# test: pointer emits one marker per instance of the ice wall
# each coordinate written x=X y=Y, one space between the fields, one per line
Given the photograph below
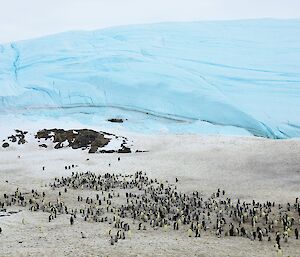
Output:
x=242 y=75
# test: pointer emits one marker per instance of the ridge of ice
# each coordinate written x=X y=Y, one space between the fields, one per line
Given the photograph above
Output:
x=236 y=75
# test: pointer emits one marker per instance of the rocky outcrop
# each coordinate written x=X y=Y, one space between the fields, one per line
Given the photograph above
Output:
x=18 y=137
x=80 y=138
x=85 y=139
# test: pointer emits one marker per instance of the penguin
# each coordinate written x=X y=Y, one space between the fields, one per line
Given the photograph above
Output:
x=174 y=225
x=71 y=220
x=296 y=233
x=254 y=235
x=285 y=236
x=231 y=231
x=82 y=235
x=278 y=238
x=112 y=241
x=259 y=235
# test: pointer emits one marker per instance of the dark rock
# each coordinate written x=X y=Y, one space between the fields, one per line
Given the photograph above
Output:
x=124 y=149
x=21 y=141
x=43 y=145
x=82 y=138
x=4 y=145
x=18 y=137
x=141 y=151
x=107 y=151
x=93 y=149
x=75 y=146
x=58 y=145
x=12 y=138
x=117 y=120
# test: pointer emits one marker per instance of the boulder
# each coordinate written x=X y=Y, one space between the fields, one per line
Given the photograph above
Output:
x=4 y=145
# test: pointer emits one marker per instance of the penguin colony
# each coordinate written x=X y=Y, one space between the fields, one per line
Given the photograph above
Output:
x=152 y=204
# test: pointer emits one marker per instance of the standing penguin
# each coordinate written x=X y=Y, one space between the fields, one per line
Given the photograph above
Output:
x=112 y=241
x=285 y=236
x=197 y=233
x=190 y=232
x=71 y=220
x=278 y=239
x=260 y=235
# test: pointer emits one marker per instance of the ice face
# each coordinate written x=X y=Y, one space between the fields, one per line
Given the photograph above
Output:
x=233 y=77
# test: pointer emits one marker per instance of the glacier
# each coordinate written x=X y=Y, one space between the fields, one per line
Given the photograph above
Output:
x=218 y=77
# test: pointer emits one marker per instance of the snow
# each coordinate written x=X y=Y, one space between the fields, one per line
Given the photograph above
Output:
x=225 y=77
x=247 y=168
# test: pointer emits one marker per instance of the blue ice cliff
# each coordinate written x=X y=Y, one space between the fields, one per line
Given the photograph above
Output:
x=239 y=77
